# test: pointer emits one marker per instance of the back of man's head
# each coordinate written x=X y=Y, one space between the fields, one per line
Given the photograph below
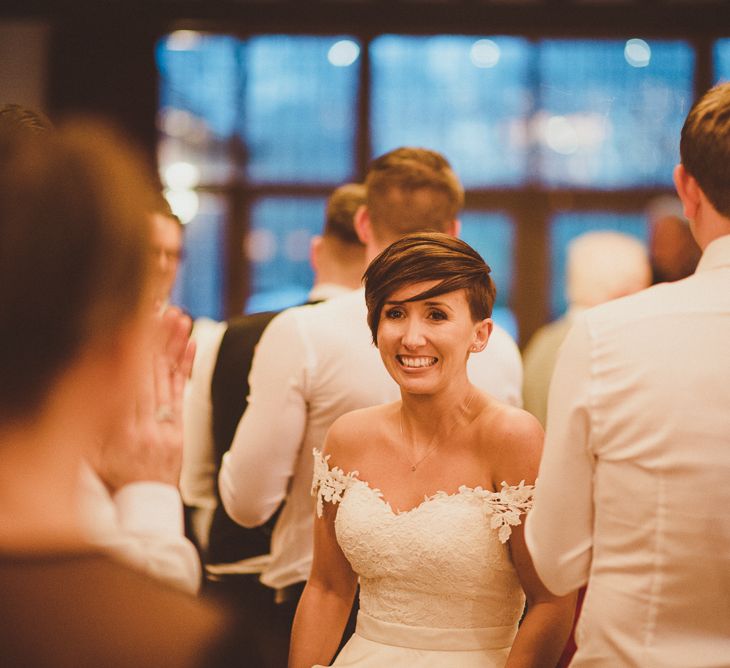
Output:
x=411 y=190
x=605 y=265
x=342 y=205
x=705 y=146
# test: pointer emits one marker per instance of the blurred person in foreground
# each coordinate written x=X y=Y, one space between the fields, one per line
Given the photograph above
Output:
x=601 y=266
x=130 y=500
x=633 y=482
x=315 y=363
x=78 y=341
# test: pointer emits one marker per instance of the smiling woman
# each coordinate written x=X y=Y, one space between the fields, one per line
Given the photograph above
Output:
x=422 y=500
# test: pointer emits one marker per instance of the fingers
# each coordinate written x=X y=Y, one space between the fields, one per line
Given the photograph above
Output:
x=178 y=337
x=173 y=363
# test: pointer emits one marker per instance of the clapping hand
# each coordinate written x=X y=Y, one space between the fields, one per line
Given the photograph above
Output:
x=149 y=448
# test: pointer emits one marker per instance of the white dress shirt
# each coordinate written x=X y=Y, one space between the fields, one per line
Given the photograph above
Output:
x=198 y=478
x=141 y=524
x=313 y=364
x=633 y=491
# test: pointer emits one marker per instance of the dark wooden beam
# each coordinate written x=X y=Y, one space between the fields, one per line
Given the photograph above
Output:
x=549 y=18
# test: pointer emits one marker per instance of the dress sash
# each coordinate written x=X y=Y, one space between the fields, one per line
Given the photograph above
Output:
x=426 y=638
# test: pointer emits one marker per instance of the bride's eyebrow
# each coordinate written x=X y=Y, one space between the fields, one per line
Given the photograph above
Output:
x=439 y=305
x=429 y=303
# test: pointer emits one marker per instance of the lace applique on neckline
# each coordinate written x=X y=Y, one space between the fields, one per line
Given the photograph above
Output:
x=504 y=507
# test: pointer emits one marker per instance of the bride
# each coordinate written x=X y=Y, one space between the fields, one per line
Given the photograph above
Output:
x=422 y=500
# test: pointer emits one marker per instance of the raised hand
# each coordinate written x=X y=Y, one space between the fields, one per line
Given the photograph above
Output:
x=149 y=448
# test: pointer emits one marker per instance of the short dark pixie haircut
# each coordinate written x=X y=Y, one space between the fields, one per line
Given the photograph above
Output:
x=705 y=146
x=428 y=256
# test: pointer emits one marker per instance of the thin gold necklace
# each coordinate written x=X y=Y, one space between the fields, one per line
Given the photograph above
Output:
x=429 y=448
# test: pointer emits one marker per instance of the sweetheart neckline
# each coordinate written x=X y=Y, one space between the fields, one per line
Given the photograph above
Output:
x=330 y=485
x=440 y=494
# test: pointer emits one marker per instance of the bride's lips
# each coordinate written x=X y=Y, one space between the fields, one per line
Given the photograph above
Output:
x=416 y=361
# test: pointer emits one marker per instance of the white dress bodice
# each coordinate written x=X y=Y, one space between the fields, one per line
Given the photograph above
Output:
x=444 y=564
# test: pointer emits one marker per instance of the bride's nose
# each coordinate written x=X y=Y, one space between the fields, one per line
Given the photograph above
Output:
x=413 y=335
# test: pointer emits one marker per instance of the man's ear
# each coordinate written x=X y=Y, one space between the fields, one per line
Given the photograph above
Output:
x=315 y=248
x=363 y=226
x=688 y=190
x=454 y=228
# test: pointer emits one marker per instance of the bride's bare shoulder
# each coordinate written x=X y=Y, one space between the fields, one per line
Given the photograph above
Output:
x=353 y=431
x=513 y=439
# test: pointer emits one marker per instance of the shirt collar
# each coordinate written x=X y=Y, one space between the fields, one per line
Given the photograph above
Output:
x=717 y=254
x=327 y=291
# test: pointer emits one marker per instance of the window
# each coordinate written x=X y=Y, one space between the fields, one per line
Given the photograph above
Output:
x=492 y=235
x=255 y=133
x=722 y=60
x=278 y=250
x=610 y=112
x=298 y=119
x=465 y=97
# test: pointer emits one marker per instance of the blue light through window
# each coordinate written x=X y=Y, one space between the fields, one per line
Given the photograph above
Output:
x=722 y=60
x=465 y=97
x=299 y=121
x=610 y=112
x=200 y=275
x=493 y=236
x=278 y=249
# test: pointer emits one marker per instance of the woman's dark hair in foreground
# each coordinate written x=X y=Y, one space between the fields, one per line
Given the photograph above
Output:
x=423 y=257
x=74 y=234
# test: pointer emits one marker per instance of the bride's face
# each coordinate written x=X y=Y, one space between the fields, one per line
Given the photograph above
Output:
x=425 y=344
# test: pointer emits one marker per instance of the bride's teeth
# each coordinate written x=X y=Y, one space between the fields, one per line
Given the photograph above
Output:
x=415 y=362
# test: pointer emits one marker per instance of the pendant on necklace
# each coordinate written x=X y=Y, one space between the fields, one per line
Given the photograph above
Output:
x=413 y=468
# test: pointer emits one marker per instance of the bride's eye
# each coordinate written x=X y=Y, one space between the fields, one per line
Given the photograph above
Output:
x=437 y=314
x=394 y=313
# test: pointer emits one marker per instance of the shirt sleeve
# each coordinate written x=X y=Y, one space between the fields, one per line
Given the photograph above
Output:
x=256 y=471
x=198 y=475
x=559 y=530
x=142 y=524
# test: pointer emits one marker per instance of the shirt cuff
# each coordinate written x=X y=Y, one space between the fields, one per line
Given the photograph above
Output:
x=150 y=508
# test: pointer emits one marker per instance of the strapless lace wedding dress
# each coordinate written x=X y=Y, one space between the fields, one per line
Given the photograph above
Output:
x=437 y=585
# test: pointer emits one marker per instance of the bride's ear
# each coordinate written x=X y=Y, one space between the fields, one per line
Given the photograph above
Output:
x=482 y=332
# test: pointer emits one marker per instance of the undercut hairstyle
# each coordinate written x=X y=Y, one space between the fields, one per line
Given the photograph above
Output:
x=425 y=257
x=411 y=190
x=705 y=146
x=74 y=260
x=342 y=205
